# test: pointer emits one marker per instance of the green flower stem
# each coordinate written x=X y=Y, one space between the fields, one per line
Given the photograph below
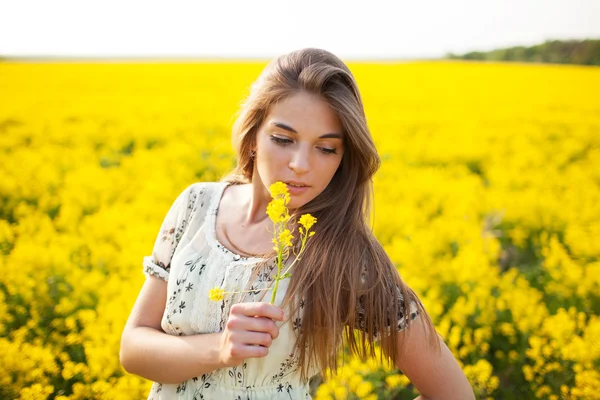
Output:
x=279 y=267
x=305 y=236
x=280 y=251
x=246 y=291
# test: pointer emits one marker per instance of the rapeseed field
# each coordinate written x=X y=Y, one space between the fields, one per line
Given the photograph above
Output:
x=488 y=201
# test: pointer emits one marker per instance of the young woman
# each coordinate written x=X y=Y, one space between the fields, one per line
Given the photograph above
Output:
x=303 y=124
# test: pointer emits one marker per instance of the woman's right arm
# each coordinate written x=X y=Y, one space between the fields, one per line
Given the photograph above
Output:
x=147 y=351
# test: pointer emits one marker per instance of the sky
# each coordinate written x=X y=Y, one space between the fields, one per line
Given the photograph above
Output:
x=397 y=29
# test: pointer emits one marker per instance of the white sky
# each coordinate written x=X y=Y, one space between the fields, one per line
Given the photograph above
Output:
x=265 y=28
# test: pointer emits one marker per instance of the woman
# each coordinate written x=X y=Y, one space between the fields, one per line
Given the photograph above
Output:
x=303 y=124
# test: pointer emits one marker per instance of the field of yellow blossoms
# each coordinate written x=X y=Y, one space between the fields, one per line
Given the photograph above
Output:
x=488 y=201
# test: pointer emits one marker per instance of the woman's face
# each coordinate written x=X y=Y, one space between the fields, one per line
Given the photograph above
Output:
x=299 y=143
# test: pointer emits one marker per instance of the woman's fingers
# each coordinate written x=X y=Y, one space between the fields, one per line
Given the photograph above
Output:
x=258 y=309
x=255 y=324
x=252 y=338
x=249 y=331
x=238 y=352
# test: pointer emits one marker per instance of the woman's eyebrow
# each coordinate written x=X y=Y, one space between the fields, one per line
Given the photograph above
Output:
x=292 y=130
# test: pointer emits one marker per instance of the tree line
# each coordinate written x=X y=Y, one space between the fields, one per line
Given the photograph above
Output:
x=583 y=52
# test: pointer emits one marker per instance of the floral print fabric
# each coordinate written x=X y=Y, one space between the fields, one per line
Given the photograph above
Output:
x=189 y=257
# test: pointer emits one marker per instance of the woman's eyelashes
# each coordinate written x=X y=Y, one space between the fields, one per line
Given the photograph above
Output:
x=328 y=151
x=282 y=141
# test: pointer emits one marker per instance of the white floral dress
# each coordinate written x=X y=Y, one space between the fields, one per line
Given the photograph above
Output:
x=189 y=257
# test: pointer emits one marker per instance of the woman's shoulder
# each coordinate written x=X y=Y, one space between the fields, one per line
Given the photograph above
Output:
x=203 y=186
x=203 y=189
x=199 y=195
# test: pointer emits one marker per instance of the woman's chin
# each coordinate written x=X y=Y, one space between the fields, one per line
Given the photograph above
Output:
x=296 y=203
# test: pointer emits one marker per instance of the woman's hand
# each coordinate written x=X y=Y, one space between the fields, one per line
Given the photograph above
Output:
x=249 y=332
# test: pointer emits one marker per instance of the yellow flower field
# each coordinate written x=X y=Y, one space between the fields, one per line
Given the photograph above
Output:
x=488 y=201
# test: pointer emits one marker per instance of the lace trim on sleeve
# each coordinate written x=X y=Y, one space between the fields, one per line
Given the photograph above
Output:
x=150 y=268
x=172 y=230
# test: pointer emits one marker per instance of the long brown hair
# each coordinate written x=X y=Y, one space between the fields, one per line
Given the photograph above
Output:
x=344 y=265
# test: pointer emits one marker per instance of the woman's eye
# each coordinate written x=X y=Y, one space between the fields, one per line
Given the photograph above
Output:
x=284 y=141
x=328 y=151
x=280 y=140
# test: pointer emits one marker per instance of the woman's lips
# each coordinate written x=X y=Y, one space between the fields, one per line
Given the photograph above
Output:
x=296 y=190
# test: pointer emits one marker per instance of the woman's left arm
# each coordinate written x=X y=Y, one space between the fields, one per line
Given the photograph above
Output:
x=436 y=375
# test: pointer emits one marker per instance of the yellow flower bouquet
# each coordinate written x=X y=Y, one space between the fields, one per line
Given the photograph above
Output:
x=282 y=237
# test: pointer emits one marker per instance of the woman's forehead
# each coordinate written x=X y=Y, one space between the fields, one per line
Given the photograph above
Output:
x=304 y=112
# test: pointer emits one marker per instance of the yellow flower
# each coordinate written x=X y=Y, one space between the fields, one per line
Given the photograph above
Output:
x=307 y=221
x=340 y=392
x=216 y=294
x=277 y=211
x=394 y=380
x=364 y=389
x=286 y=237
x=278 y=189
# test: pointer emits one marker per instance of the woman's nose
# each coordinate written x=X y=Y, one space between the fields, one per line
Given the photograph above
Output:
x=300 y=162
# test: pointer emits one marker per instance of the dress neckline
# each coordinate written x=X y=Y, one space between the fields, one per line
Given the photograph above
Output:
x=212 y=228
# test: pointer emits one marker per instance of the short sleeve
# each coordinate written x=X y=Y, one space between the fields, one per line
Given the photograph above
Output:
x=400 y=321
x=171 y=231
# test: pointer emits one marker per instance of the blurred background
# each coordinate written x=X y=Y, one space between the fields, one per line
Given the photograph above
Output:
x=486 y=116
